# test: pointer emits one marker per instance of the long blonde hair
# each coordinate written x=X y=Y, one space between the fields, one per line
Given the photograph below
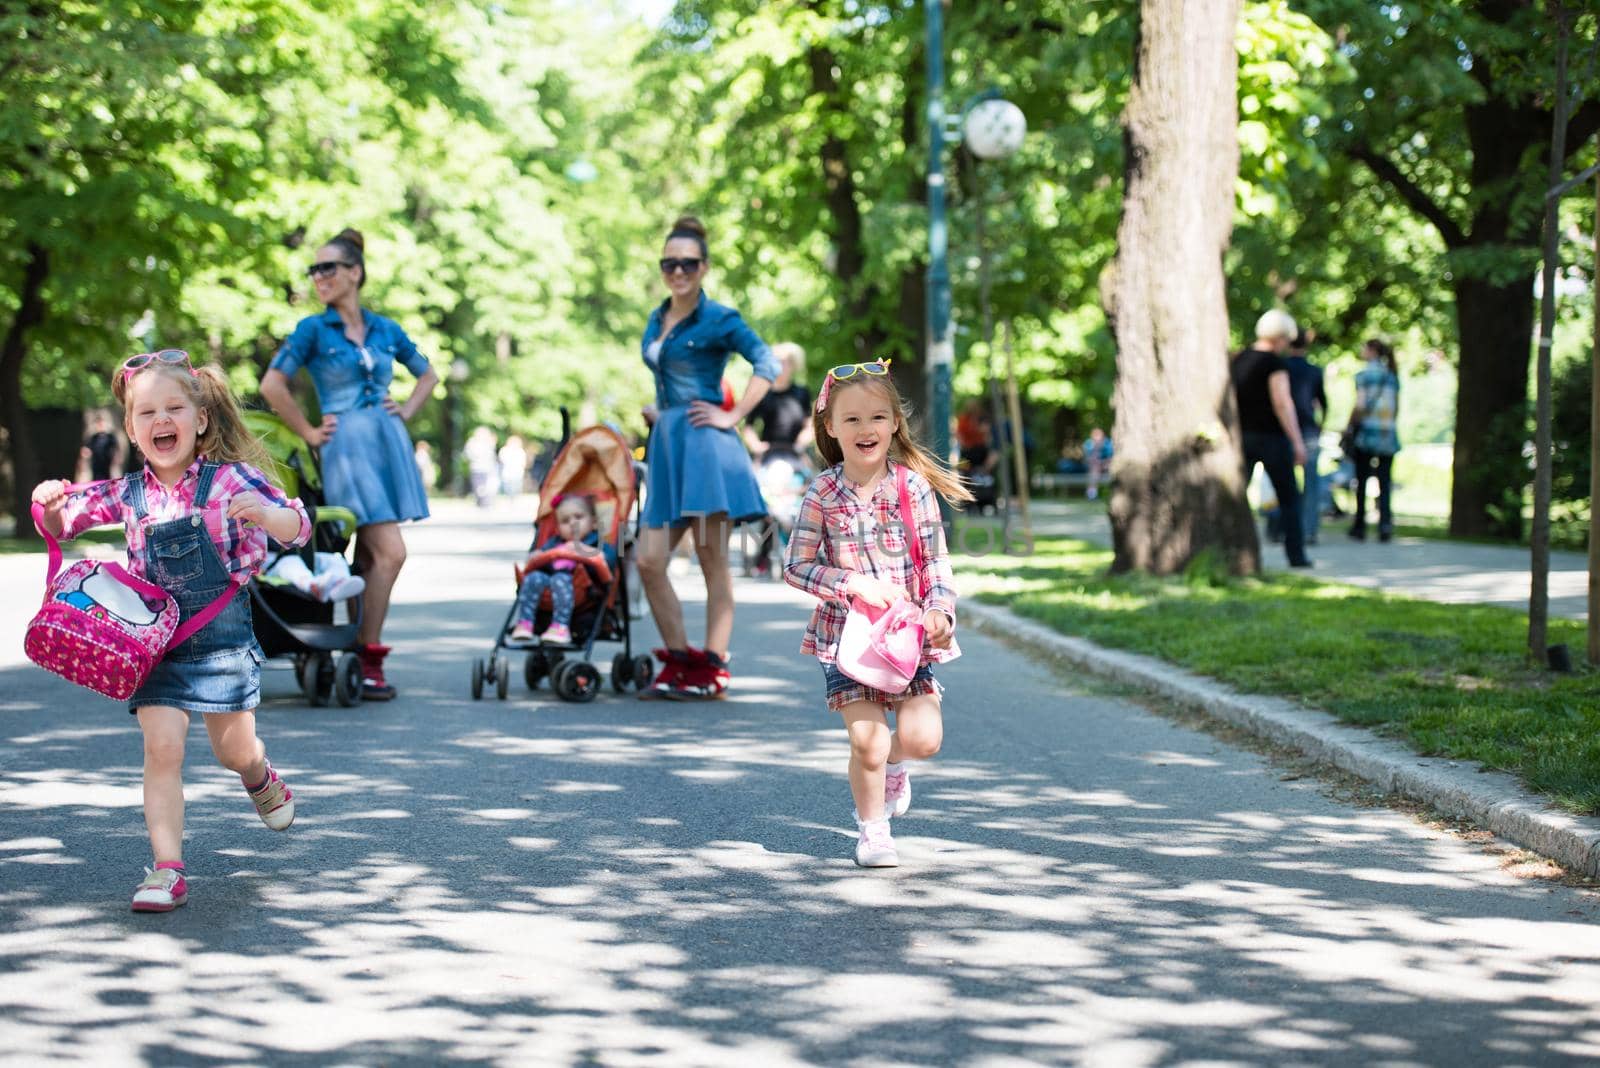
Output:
x=226 y=439
x=902 y=447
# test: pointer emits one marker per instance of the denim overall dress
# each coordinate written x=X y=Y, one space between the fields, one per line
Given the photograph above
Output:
x=219 y=668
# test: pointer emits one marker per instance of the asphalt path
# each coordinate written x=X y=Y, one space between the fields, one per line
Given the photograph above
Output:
x=532 y=882
x=1433 y=569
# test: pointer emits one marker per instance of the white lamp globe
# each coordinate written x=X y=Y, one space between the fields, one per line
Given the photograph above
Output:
x=994 y=129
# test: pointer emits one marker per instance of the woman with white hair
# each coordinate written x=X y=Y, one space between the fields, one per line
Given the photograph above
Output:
x=1271 y=429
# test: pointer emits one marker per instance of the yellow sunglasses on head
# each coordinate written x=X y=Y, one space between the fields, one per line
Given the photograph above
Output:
x=850 y=370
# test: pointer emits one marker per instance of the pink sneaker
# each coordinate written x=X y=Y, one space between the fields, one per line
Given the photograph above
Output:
x=875 y=848
x=897 y=791
x=557 y=634
x=162 y=890
x=274 y=801
x=523 y=631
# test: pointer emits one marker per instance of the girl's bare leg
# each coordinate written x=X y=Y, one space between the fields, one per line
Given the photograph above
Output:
x=164 y=729
x=869 y=749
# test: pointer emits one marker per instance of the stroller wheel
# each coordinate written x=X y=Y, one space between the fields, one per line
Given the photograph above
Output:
x=316 y=678
x=644 y=671
x=578 y=681
x=534 y=669
x=558 y=677
x=621 y=673
x=502 y=677
x=477 y=678
x=347 y=680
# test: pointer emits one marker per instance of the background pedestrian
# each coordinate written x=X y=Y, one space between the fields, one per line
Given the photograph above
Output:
x=1310 y=407
x=1270 y=428
x=780 y=447
x=1376 y=438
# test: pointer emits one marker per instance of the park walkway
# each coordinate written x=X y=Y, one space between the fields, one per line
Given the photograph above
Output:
x=1432 y=569
x=532 y=882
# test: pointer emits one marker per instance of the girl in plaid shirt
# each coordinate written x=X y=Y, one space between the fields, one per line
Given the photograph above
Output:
x=197 y=519
x=849 y=541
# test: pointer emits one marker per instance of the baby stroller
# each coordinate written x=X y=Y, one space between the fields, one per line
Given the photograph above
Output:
x=288 y=622
x=595 y=462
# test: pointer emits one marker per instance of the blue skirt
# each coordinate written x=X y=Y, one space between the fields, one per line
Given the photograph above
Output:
x=369 y=468
x=698 y=471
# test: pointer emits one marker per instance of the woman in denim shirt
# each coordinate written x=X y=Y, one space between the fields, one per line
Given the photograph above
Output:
x=367 y=461
x=700 y=477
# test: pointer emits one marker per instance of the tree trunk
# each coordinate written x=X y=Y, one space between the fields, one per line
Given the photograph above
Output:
x=1488 y=472
x=14 y=413
x=1179 y=477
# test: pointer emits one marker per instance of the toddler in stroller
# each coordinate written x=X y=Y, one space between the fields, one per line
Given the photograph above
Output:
x=553 y=568
x=573 y=583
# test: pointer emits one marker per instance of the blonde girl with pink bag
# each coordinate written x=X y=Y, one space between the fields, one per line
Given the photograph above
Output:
x=197 y=518
x=869 y=533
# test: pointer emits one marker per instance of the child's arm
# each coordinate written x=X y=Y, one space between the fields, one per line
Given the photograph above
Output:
x=66 y=515
x=599 y=567
x=801 y=569
x=50 y=496
x=283 y=522
x=262 y=504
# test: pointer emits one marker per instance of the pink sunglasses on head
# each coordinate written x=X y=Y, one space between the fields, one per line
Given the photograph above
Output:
x=134 y=364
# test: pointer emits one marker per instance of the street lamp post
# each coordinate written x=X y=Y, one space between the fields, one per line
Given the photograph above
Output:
x=993 y=129
x=941 y=349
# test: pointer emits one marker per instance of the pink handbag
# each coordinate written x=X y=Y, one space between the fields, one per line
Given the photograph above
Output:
x=882 y=647
x=104 y=628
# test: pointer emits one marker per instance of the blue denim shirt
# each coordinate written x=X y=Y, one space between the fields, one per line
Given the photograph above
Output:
x=694 y=354
x=347 y=375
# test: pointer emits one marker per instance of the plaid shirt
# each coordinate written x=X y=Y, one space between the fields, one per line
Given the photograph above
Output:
x=838 y=534
x=243 y=547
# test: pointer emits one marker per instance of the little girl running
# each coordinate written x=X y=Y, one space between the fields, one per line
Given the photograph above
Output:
x=850 y=541
x=554 y=564
x=197 y=518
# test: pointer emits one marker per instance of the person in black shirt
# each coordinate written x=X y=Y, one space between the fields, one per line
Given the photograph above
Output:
x=779 y=448
x=1310 y=407
x=102 y=449
x=1271 y=429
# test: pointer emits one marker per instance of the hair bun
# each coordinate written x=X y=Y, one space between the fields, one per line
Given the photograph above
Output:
x=688 y=224
x=352 y=235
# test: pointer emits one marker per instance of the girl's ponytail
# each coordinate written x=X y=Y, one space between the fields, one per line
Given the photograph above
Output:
x=227 y=439
x=945 y=482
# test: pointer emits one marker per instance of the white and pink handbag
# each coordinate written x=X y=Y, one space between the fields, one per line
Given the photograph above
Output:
x=104 y=628
x=882 y=647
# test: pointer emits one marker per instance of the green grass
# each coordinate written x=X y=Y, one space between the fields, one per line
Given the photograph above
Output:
x=1451 y=680
x=100 y=536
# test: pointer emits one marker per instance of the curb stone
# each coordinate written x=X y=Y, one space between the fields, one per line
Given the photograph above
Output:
x=1462 y=789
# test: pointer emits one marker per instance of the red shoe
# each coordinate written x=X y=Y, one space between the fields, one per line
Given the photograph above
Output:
x=673 y=666
x=706 y=679
x=374 y=687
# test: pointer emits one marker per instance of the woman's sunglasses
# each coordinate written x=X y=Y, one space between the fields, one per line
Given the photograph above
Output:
x=325 y=268
x=134 y=364
x=850 y=370
x=688 y=264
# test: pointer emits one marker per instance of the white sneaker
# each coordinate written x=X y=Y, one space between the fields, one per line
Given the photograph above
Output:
x=161 y=890
x=274 y=801
x=875 y=847
x=897 y=792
